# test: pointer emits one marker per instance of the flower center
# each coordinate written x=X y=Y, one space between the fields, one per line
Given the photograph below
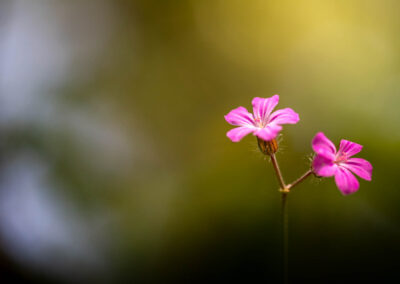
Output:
x=258 y=122
x=341 y=158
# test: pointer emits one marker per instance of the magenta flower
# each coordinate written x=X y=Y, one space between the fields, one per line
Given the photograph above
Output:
x=264 y=124
x=329 y=162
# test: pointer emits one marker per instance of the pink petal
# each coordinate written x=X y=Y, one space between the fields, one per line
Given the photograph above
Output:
x=269 y=132
x=240 y=117
x=346 y=181
x=323 y=166
x=350 y=148
x=263 y=107
x=323 y=146
x=360 y=167
x=236 y=134
x=284 y=116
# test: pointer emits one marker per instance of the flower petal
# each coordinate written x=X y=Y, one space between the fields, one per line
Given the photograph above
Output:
x=324 y=166
x=269 y=132
x=284 y=116
x=240 y=117
x=346 y=181
x=350 y=148
x=236 y=134
x=262 y=108
x=323 y=146
x=360 y=167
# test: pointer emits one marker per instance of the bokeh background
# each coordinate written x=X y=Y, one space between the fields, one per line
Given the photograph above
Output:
x=115 y=167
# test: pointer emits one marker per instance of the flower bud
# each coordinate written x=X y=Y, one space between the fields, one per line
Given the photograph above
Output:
x=267 y=147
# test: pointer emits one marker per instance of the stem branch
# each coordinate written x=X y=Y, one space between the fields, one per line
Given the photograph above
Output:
x=300 y=179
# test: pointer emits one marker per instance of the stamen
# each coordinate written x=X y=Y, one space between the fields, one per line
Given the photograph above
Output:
x=341 y=158
x=258 y=122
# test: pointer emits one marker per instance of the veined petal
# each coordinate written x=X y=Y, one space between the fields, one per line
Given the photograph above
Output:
x=269 y=132
x=240 y=117
x=284 y=116
x=346 y=181
x=262 y=108
x=360 y=167
x=324 y=166
x=323 y=146
x=236 y=134
x=350 y=148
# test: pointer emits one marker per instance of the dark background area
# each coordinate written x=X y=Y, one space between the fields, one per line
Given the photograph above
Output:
x=115 y=167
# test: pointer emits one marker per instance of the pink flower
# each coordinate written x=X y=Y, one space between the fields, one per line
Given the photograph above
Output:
x=329 y=162
x=264 y=124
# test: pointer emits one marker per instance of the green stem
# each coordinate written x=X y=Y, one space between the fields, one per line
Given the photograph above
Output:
x=285 y=233
x=285 y=189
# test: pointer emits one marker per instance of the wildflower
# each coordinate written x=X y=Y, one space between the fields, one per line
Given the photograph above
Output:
x=329 y=162
x=262 y=123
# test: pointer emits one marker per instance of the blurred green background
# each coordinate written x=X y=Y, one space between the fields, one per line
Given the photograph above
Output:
x=115 y=167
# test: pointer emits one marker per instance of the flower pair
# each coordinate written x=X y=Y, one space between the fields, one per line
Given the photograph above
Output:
x=327 y=162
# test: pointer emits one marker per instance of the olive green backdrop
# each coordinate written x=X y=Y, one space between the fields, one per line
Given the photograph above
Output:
x=131 y=137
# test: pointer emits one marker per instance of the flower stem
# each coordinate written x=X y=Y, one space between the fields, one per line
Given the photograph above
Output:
x=278 y=173
x=285 y=189
x=300 y=179
x=285 y=235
